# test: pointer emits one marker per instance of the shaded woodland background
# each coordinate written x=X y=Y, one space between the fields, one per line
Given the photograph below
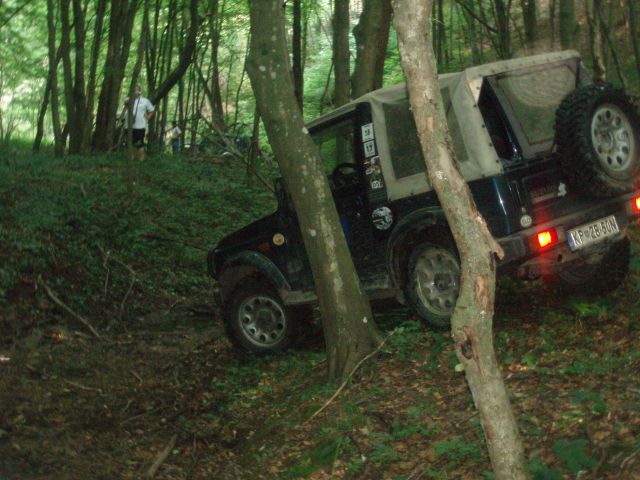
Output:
x=123 y=246
x=189 y=56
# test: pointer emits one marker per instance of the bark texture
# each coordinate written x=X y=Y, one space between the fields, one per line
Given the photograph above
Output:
x=568 y=24
x=53 y=80
x=372 y=37
x=349 y=330
x=594 y=9
x=296 y=41
x=121 y=20
x=471 y=322
x=530 y=17
x=186 y=55
x=634 y=26
x=341 y=51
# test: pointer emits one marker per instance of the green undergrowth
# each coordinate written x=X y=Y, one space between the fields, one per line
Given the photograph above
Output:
x=113 y=240
x=125 y=245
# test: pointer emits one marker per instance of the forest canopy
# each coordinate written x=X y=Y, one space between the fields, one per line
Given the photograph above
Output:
x=190 y=57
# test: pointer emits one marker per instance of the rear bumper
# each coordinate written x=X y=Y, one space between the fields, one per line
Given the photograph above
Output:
x=520 y=253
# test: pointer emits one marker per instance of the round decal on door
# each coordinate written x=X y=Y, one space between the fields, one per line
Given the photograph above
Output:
x=382 y=218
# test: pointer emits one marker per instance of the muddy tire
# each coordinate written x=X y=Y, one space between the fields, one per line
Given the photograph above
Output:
x=597 y=278
x=598 y=141
x=433 y=282
x=256 y=319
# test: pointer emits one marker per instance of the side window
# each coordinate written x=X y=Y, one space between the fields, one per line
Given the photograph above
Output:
x=335 y=144
x=404 y=145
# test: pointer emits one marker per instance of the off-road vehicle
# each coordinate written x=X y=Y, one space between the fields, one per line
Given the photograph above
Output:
x=551 y=158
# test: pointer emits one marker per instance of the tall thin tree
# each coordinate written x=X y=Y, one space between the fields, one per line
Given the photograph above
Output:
x=349 y=330
x=471 y=323
x=372 y=36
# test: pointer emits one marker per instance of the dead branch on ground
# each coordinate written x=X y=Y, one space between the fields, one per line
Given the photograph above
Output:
x=67 y=309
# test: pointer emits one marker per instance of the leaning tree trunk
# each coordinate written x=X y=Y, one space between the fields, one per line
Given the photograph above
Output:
x=471 y=322
x=186 y=56
x=372 y=36
x=349 y=330
x=341 y=51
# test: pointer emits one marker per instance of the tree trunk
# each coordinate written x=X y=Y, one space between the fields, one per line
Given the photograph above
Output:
x=121 y=21
x=594 y=7
x=634 y=26
x=186 y=55
x=476 y=56
x=341 y=51
x=552 y=22
x=53 y=76
x=296 y=48
x=349 y=330
x=93 y=69
x=568 y=23
x=471 y=322
x=215 y=26
x=530 y=17
x=65 y=49
x=42 y=112
x=372 y=37
x=502 y=15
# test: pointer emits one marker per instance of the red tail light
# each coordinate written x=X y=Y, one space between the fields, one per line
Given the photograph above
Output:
x=545 y=239
x=636 y=204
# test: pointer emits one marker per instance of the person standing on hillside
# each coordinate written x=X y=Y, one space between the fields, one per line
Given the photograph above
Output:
x=175 y=137
x=142 y=111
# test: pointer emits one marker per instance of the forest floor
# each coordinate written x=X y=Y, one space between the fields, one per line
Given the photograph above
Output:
x=124 y=247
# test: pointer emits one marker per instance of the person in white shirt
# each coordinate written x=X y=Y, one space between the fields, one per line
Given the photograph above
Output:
x=175 y=137
x=142 y=111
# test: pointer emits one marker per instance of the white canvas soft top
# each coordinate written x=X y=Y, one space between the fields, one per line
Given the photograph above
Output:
x=463 y=89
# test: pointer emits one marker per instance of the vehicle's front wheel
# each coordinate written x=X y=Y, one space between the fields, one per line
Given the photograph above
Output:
x=597 y=278
x=257 y=320
x=433 y=282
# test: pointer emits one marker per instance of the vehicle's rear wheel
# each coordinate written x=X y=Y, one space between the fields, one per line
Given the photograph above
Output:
x=433 y=282
x=257 y=320
x=597 y=278
x=598 y=140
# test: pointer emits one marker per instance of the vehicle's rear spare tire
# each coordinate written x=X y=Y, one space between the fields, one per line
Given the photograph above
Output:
x=596 y=278
x=598 y=141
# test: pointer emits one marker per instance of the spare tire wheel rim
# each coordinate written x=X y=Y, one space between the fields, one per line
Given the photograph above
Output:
x=262 y=320
x=613 y=140
x=438 y=281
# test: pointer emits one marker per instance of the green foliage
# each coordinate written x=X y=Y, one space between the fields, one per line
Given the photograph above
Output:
x=456 y=450
x=83 y=222
x=573 y=454
x=593 y=400
x=407 y=336
x=539 y=471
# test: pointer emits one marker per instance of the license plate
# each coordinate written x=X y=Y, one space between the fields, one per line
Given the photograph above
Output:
x=592 y=232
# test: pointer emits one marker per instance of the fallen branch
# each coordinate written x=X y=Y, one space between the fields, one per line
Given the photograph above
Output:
x=344 y=384
x=134 y=276
x=68 y=309
x=624 y=463
x=82 y=387
x=162 y=456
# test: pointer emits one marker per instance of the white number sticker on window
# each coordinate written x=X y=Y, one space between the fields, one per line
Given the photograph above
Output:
x=369 y=149
x=367 y=132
